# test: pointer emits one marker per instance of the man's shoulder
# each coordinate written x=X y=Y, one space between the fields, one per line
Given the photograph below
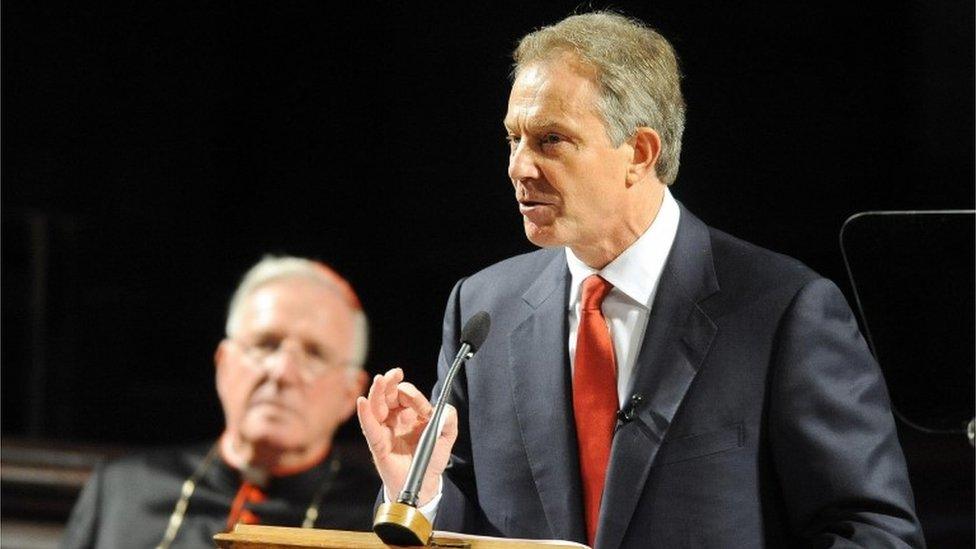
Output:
x=734 y=253
x=747 y=272
x=512 y=276
x=525 y=264
x=176 y=461
x=357 y=465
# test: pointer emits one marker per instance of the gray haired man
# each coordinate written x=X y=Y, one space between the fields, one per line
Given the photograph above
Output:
x=287 y=373
x=648 y=381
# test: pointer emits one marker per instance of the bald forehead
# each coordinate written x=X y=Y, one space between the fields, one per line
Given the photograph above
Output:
x=301 y=302
x=310 y=288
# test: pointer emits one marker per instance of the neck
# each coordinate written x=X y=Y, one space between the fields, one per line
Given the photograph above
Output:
x=630 y=224
x=259 y=458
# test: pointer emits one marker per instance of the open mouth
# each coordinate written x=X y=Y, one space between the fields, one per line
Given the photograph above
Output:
x=537 y=212
x=530 y=204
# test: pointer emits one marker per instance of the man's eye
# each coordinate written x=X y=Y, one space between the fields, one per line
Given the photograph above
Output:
x=551 y=139
x=313 y=351
x=267 y=344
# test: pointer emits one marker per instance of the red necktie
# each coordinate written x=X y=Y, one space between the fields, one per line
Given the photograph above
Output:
x=594 y=397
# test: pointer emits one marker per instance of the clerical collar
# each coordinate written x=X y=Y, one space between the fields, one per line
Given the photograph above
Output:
x=190 y=484
x=257 y=475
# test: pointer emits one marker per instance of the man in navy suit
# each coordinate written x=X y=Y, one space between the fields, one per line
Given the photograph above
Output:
x=648 y=381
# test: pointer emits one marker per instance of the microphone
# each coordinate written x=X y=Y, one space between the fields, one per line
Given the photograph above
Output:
x=627 y=413
x=473 y=334
x=401 y=523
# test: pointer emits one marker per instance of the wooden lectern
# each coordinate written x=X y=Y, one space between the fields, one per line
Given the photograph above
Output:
x=246 y=536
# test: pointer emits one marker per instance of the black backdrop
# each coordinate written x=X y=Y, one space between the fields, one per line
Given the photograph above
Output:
x=152 y=152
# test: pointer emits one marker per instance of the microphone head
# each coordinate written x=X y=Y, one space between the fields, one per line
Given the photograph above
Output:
x=475 y=330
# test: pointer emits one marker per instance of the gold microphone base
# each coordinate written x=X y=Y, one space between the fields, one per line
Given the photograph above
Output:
x=401 y=524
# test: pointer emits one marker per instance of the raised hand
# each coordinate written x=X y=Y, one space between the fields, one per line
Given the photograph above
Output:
x=392 y=417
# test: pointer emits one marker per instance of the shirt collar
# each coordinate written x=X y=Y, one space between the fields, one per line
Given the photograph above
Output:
x=637 y=270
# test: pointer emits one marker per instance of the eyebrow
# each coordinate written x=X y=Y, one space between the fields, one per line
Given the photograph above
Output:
x=546 y=125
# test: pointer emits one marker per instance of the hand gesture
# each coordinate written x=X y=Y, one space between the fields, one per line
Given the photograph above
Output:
x=392 y=417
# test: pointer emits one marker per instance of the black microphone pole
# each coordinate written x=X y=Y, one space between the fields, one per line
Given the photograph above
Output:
x=401 y=523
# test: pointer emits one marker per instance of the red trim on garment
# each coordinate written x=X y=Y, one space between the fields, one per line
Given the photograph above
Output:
x=248 y=493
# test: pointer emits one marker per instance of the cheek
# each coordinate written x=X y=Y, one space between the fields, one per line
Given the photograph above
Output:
x=593 y=195
x=234 y=387
x=330 y=404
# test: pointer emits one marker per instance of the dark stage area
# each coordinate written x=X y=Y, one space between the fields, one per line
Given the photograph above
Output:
x=152 y=152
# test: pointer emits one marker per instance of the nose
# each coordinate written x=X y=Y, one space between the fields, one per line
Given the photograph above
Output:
x=522 y=162
x=285 y=364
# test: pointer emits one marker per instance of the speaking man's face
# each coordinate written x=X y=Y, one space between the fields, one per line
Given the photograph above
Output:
x=569 y=179
x=284 y=379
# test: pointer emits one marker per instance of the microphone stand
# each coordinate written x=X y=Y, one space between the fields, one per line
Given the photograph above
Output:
x=401 y=523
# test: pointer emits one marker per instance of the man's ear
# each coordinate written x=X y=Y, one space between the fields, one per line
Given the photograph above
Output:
x=646 y=144
x=220 y=357
x=355 y=387
x=221 y=352
x=360 y=381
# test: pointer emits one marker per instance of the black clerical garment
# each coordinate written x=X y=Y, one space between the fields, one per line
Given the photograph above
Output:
x=128 y=502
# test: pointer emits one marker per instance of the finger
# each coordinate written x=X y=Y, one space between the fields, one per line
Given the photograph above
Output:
x=449 y=425
x=379 y=445
x=377 y=400
x=373 y=389
x=391 y=379
x=411 y=397
x=372 y=429
x=394 y=374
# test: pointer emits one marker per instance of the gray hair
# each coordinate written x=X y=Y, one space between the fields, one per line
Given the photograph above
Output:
x=637 y=73
x=272 y=268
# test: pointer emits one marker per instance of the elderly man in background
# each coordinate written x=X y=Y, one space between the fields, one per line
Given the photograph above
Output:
x=287 y=374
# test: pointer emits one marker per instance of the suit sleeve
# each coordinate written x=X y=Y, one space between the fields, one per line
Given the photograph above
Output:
x=832 y=434
x=458 y=510
x=79 y=533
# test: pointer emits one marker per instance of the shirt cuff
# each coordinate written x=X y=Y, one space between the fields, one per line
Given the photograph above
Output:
x=429 y=510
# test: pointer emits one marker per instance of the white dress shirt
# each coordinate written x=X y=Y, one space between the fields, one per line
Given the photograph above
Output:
x=634 y=274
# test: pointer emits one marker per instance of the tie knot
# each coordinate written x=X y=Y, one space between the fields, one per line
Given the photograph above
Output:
x=595 y=288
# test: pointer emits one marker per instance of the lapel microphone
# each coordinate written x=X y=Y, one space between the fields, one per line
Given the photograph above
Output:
x=401 y=523
x=629 y=411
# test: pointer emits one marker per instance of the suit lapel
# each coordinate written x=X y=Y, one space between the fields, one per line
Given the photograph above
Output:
x=675 y=343
x=543 y=399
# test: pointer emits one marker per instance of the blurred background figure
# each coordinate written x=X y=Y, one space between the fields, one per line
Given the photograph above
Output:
x=288 y=373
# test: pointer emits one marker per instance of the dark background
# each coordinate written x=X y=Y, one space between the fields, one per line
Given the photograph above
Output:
x=153 y=152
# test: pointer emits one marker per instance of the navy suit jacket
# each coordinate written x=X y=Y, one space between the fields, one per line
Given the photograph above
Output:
x=764 y=421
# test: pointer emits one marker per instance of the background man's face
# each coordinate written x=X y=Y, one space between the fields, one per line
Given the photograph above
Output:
x=274 y=399
x=569 y=179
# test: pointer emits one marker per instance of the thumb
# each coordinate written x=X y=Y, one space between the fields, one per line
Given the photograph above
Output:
x=449 y=425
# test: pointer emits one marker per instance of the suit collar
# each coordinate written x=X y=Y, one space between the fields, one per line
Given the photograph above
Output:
x=691 y=261
x=552 y=278
x=542 y=391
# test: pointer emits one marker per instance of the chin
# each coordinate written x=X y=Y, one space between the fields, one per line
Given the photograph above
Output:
x=278 y=434
x=282 y=441
x=543 y=237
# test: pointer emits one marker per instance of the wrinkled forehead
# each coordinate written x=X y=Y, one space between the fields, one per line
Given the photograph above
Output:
x=297 y=306
x=552 y=92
